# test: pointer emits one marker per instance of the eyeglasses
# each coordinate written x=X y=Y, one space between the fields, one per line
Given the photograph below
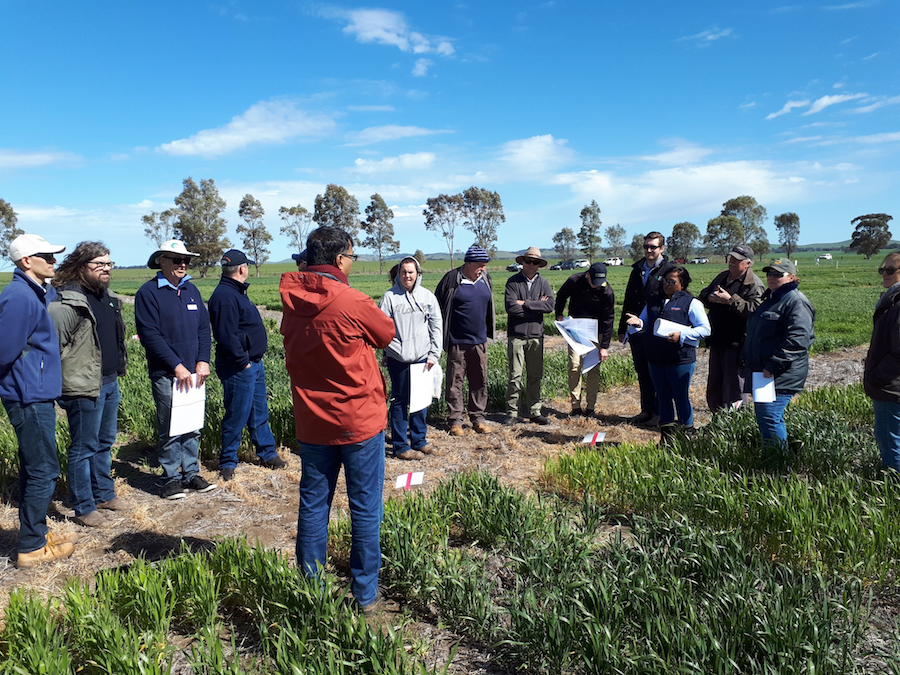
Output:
x=352 y=256
x=775 y=275
x=890 y=271
x=49 y=257
x=532 y=261
x=648 y=247
x=670 y=282
x=178 y=262
x=100 y=265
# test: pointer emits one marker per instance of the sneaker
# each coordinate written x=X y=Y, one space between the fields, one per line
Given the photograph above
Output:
x=49 y=553
x=576 y=411
x=227 y=473
x=540 y=419
x=426 y=449
x=115 y=504
x=197 y=484
x=410 y=455
x=456 y=430
x=481 y=427
x=92 y=519
x=275 y=463
x=509 y=420
x=173 y=490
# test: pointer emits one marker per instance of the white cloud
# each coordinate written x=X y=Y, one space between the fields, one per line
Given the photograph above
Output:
x=390 y=132
x=871 y=56
x=786 y=108
x=677 y=192
x=879 y=138
x=267 y=122
x=879 y=103
x=371 y=108
x=825 y=101
x=851 y=5
x=803 y=139
x=405 y=162
x=536 y=154
x=749 y=104
x=706 y=37
x=14 y=159
x=421 y=67
x=682 y=152
x=386 y=27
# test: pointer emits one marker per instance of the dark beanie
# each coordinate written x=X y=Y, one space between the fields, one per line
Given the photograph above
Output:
x=477 y=254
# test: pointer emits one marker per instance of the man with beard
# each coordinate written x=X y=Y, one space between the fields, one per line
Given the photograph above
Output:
x=88 y=319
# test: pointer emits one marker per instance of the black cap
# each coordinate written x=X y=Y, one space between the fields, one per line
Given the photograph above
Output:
x=597 y=273
x=299 y=257
x=235 y=257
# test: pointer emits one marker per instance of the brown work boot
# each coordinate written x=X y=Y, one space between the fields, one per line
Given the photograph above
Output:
x=481 y=427
x=115 y=504
x=456 y=430
x=410 y=455
x=49 y=553
x=92 y=519
x=57 y=538
x=427 y=449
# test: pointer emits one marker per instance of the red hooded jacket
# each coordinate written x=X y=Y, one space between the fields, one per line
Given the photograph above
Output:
x=330 y=330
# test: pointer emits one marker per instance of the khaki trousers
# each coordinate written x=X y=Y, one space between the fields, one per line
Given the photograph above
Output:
x=592 y=382
x=525 y=354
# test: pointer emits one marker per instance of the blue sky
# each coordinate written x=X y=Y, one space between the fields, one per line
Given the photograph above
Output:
x=660 y=111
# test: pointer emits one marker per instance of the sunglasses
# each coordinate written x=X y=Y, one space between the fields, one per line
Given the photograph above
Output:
x=532 y=261
x=775 y=275
x=99 y=265
x=890 y=271
x=647 y=247
x=49 y=257
x=178 y=262
x=671 y=282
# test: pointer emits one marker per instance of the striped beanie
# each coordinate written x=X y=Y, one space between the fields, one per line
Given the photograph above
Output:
x=477 y=254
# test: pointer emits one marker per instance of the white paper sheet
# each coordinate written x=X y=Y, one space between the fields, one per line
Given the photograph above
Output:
x=421 y=387
x=763 y=388
x=593 y=439
x=664 y=328
x=188 y=408
x=407 y=480
x=590 y=360
x=580 y=334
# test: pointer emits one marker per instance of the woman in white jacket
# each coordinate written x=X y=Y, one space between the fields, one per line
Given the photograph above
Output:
x=419 y=337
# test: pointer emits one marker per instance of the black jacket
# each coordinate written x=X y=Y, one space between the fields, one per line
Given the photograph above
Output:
x=587 y=302
x=237 y=326
x=729 y=322
x=882 y=375
x=637 y=293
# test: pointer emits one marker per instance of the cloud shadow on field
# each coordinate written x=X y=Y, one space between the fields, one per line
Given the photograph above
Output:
x=155 y=546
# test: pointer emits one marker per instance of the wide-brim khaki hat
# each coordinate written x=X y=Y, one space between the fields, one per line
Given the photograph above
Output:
x=532 y=252
x=171 y=246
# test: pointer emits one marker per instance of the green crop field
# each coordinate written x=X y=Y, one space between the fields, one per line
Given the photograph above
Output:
x=702 y=556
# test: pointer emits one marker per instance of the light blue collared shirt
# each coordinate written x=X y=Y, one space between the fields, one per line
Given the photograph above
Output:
x=162 y=281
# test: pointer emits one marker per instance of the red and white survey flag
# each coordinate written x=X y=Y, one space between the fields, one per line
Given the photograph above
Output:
x=407 y=480
x=593 y=439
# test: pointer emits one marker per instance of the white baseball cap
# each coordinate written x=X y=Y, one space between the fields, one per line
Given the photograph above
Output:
x=31 y=244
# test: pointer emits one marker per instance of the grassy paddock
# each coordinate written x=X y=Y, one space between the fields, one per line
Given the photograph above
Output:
x=843 y=290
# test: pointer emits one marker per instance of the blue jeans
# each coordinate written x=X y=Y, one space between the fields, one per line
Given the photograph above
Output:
x=400 y=417
x=178 y=455
x=246 y=405
x=887 y=433
x=92 y=428
x=770 y=419
x=364 y=475
x=673 y=383
x=35 y=426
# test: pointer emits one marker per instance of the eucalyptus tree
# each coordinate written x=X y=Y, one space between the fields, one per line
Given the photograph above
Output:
x=379 y=230
x=256 y=236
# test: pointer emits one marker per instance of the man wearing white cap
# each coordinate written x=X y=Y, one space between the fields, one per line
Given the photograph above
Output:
x=30 y=381
x=528 y=297
x=173 y=325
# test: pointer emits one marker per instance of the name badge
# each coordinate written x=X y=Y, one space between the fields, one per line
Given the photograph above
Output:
x=192 y=307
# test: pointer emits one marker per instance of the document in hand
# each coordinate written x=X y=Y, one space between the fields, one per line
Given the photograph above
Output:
x=188 y=408
x=582 y=336
x=421 y=385
x=763 y=388
x=664 y=328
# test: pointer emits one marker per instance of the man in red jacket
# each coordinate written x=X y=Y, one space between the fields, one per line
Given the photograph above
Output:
x=340 y=405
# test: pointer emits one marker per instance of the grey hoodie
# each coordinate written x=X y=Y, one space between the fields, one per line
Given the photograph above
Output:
x=417 y=320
